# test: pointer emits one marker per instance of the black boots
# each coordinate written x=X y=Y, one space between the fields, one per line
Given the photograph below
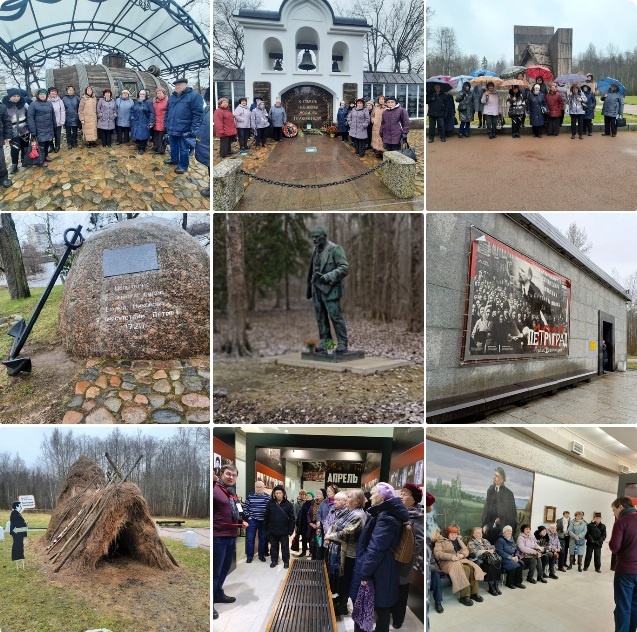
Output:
x=493 y=589
x=571 y=562
x=579 y=563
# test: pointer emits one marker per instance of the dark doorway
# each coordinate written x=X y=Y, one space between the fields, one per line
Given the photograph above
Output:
x=606 y=333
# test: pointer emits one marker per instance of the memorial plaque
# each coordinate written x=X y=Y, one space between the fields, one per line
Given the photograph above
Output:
x=350 y=92
x=263 y=89
x=305 y=104
x=130 y=260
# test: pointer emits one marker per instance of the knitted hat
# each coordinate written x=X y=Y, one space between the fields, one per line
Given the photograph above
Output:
x=43 y=91
x=415 y=491
x=181 y=80
x=324 y=491
x=430 y=500
x=385 y=490
x=310 y=494
x=12 y=92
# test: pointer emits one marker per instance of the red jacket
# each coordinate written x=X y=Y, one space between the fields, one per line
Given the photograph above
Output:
x=555 y=103
x=623 y=542
x=223 y=120
x=222 y=515
x=160 y=113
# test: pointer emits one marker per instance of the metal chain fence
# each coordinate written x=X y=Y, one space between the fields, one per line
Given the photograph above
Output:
x=313 y=186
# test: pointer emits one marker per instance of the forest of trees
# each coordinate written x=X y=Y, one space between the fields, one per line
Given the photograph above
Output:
x=174 y=475
x=273 y=251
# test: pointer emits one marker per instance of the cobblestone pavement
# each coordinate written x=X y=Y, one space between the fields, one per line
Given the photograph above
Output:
x=113 y=178
x=289 y=162
x=608 y=399
x=141 y=391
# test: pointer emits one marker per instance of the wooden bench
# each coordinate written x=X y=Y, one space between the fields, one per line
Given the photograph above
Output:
x=305 y=600
x=166 y=523
x=475 y=406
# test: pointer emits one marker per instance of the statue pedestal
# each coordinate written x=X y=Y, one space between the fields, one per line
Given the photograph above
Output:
x=322 y=356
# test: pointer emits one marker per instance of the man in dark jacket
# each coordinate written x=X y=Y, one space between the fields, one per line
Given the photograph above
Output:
x=183 y=118
x=595 y=536
x=7 y=134
x=18 y=529
x=436 y=111
x=499 y=508
x=394 y=125
x=623 y=543
x=327 y=270
x=202 y=149
x=279 y=523
x=71 y=105
x=301 y=522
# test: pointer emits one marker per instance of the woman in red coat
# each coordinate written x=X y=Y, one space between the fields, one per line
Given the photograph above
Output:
x=160 y=104
x=555 y=104
x=225 y=129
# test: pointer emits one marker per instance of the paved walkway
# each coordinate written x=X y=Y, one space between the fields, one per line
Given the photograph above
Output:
x=105 y=179
x=628 y=108
x=334 y=160
x=141 y=391
x=608 y=399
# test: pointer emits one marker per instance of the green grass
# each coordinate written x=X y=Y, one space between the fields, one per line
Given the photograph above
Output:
x=630 y=100
x=45 y=329
x=631 y=365
x=189 y=522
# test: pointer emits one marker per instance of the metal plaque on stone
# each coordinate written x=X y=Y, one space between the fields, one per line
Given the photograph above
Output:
x=263 y=89
x=308 y=104
x=131 y=260
x=350 y=92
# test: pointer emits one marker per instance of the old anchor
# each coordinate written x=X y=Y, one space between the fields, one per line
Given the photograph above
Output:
x=21 y=330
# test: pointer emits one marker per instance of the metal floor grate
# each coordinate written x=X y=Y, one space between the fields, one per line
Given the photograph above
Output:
x=305 y=601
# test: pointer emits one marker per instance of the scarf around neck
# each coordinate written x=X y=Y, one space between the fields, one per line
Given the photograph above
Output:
x=231 y=493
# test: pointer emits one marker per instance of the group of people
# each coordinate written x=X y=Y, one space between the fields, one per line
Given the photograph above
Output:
x=39 y=122
x=546 y=108
x=356 y=537
x=382 y=126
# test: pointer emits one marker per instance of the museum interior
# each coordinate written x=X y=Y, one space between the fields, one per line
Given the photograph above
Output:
x=310 y=458
x=544 y=471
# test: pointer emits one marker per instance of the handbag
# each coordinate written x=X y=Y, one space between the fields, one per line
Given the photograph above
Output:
x=408 y=151
x=544 y=109
x=35 y=157
x=405 y=549
x=295 y=543
x=621 y=121
x=493 y=559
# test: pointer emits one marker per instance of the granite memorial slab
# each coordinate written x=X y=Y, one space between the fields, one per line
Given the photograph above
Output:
x=305 y=104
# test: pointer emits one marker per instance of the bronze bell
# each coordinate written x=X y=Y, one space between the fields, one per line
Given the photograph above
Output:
x=277 y=65
x=335 y=67
x=306 y=62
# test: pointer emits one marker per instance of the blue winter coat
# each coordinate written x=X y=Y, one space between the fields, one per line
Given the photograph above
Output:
x=142 y=115
x=591 y=103
x=533 y=107
x=41 y=119
x=71 y=105
x=507 y=549
x=341 y=119
x=184 y=113
x=374 y=553
x=278 y=116
x=124 y=107
x=202 y=148
x=613 y=104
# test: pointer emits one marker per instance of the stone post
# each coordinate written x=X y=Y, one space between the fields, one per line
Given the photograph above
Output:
x=227 y=187
x=399 y=174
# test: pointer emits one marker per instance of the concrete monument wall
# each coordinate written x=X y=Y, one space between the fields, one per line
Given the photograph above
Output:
x=524 y=35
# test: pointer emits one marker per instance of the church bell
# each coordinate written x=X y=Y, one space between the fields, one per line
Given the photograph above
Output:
x=277 y=65
x=306 y=62
x=335 y=67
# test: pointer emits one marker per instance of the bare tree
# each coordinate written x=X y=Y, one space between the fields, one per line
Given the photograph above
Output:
x=578 y=237
x=227 y=34
x=429 y=16
x=11 y=264
x=446 y=47
x=416 y=320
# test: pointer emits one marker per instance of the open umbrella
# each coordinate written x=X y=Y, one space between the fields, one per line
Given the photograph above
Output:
x=482 y=81
x=509 y=83
x=458 y=81
x=480 y=72
x=603 y=85
x=512 y=72
x=571 y=78
x=539 y=71
x=445 y=85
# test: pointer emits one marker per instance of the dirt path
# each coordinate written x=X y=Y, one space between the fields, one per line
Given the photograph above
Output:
x=178 y=533
x=531 y=174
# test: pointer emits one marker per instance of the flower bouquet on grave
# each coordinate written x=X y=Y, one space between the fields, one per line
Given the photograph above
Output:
x=330 y=345
x=332 y=130
x=290 y=130
x=311 y=345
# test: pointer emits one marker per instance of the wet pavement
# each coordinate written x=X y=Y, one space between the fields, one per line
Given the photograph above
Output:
x=333 y=160
x=608 y=399
x=114 y=178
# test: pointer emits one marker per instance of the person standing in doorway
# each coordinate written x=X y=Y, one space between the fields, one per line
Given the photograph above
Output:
x=595 y=536
x=623 y=543
x=563 y=527
x=279 y=523
x=604 y=357
x=226 y=519
x=254 y=513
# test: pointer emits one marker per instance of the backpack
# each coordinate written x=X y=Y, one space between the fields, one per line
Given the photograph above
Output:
x=405 y=549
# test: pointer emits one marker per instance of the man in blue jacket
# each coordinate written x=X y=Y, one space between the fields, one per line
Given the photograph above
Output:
x=183 y=117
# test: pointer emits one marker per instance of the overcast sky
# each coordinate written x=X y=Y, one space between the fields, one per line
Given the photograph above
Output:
x=26 y=440
x=612 y=234
x=485 y=27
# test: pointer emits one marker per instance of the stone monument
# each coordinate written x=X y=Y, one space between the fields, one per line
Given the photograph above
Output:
x=544 y=46
x=138 y=289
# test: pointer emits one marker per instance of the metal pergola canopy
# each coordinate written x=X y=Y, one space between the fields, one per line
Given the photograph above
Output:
x=146 y=32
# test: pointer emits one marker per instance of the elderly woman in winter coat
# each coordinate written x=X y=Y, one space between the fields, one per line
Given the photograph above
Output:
x=453 y=558
x=555 y=104
x=343 y=535
x=532 y=553
x=279 y=118
x=124 y=105
x=551 y=554
x=512 y=563
x=394 y=127
x=60 y=117
x=536 y=107
x=106 y=115
x=260 y=121
x=341 y=121
x=17 y=110
x=313 y=524
x=478 y=106
x=411 y=495
x=160 y=103
x=480 y=550
x=466 y=109
x=358 y=119
x=492 y=108
x=577 y=542
x=577 y=108
x=613 y=108
x=375 y=559
x=589 y=109
x=377 y=119
x=88 y=116
x=142 y=118
x=41 y=121
x=243 y=122
x=516 y=112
